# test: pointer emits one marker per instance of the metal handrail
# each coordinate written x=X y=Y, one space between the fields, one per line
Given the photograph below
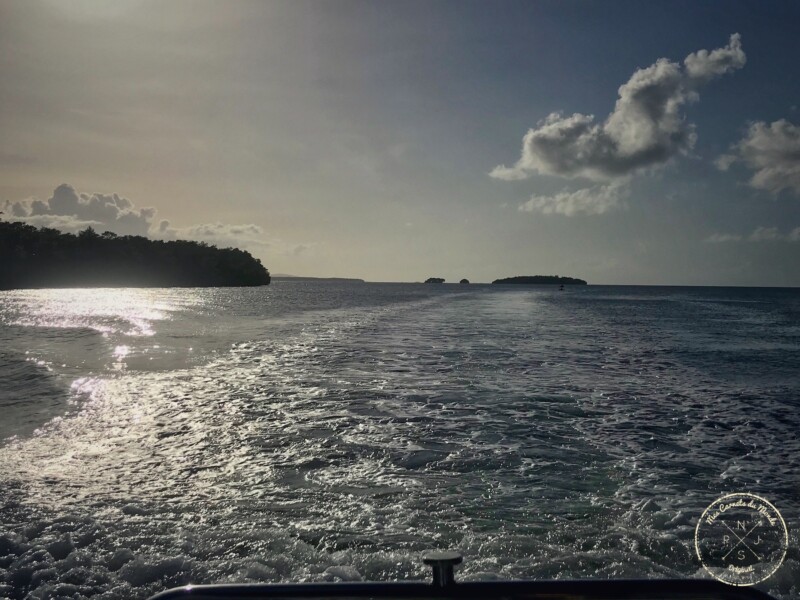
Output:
x=638 y=589
x=445 y=587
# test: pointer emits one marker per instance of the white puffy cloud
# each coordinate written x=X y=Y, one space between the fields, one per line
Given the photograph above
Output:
x=703 y=65
x=71 y=211
x=646 y=128
x=587 y=201
x=772 y=152
x=759 y=234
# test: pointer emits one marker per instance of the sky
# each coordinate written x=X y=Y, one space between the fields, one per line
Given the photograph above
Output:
x=626 y=142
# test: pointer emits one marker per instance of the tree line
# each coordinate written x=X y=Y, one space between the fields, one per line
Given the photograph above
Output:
x=45 y=257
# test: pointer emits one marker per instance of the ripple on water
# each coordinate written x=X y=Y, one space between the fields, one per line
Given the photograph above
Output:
x=541 y=437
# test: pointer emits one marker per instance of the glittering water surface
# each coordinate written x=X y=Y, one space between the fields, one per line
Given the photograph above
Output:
x=333 y=431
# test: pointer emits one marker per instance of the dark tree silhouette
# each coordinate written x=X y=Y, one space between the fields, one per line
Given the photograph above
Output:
x=36 y=258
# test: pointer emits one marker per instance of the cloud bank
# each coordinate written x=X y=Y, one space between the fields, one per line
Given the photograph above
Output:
x=71 y=211
x=772 y=152
x=645 y=130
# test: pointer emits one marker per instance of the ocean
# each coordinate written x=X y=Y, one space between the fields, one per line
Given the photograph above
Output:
x=334 y=431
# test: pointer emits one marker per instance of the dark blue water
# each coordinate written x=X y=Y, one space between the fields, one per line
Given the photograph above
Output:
x=329 y=431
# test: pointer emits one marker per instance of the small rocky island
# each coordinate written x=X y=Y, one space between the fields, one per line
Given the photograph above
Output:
x=464 y=281
x=541 y=279
x=48 y=258
x=434 y=280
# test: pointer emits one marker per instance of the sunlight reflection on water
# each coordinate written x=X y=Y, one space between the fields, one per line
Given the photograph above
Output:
x=99 y=309
x=542 y=437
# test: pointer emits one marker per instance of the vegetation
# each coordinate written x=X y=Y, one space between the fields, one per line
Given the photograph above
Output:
x=539 y=279
x=434 y=280
x=464 y=281
x=35 y=258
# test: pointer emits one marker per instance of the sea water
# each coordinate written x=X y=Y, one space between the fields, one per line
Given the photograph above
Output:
x=330 y=431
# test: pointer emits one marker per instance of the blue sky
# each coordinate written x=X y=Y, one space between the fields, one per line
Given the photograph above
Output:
x=360 y=138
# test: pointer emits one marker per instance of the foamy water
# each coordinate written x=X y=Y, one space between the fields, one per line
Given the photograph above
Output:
x=334 y=431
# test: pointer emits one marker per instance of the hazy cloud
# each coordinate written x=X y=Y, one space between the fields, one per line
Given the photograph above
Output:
x=67 y=223
x=772 y=152
x=646 y=128
x=218 y=234
x=588 y=201
x=765 y=234
x=724 y=162
x=759 y=234
x=721 y=238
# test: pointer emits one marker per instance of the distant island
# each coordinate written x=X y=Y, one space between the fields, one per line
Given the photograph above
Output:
x=464 y=281
x=541 y=279
x=434 y=280
x=306 y=278
x=48 y=258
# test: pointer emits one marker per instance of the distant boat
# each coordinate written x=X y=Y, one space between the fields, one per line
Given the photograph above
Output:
x=561 y=288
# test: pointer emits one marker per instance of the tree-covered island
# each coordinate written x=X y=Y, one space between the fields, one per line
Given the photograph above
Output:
x=48 y=258
x=541 y=279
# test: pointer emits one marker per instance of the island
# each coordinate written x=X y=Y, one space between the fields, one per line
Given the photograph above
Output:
x=434 y=280
x=322 y=279
x=541 y=279
x=48 y=258
x=464 y=281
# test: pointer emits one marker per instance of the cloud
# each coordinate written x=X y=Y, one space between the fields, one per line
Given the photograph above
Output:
x=67 y=223
x=772 y=152
x=765 y=234
x=759 y=234
x=645 y=130
x=724 y=162
x=71 y=211
x=702 y=66
x=587 y=201
x=218 y=234
x=721 y=238
x=300 y=249
x=67 y=209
